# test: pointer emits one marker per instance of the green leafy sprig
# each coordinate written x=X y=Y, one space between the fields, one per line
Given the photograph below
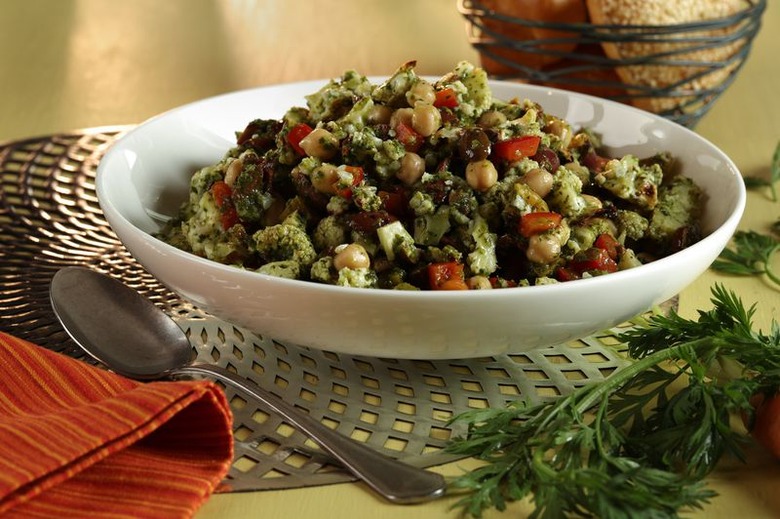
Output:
x=751 y=256
x=639 y=443
x=774 y=176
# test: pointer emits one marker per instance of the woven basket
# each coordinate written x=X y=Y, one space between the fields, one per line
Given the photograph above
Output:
x=699 y=59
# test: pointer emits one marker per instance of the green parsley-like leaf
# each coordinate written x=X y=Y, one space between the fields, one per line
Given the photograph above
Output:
x=751 y=256
x=774 y=176
x=639 y=443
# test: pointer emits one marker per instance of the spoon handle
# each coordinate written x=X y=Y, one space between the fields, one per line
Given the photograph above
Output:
x=395 y=480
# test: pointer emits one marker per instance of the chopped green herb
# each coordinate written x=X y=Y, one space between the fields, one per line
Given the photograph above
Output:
x=751 y=256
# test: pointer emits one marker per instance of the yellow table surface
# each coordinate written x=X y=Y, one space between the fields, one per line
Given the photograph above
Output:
x=72 y=64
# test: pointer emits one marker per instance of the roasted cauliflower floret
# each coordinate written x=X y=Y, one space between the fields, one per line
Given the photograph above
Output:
x=289 y=269
x=679 y=206
x=286 y=241
x=357 y=278
x=337 y=97
x=204 y=235
x=471 y=84
x=626 y=178
x=565 y=197
x=482 y=259
x=331 y=231
x=631 y=225
x=393 y=91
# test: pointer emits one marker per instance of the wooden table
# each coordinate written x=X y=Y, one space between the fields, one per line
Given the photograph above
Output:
x=71 y=64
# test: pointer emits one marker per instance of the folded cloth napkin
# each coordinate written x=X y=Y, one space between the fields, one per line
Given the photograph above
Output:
x=78 y=441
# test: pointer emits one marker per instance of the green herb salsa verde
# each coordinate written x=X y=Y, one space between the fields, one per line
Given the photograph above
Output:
x=431 y=185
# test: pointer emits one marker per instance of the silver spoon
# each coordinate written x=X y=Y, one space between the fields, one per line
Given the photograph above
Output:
x=123 y=330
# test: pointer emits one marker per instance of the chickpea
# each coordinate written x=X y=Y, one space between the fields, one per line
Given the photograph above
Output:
x=540 y=180
x=592 y=204
x=426 y=119
x=402 y=115
x=491 y=119
x=421 y=92
x=543 y=248
x=412 y=168
x=481 y=175
x=233 y=171
x=478 y=283
x=324 y=179
x=560 y=129
x=380 y=114
x=321 y=144
x=352 y=256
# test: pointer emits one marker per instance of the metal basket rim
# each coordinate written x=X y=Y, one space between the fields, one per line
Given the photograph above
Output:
x=680 y=43
x=474 y=9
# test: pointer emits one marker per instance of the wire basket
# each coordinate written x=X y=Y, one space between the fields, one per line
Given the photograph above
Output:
x=677 y=71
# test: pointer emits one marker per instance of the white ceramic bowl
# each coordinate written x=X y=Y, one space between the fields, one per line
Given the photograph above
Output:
x=145 y=176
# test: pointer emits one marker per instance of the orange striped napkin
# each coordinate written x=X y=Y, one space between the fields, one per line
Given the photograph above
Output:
x=78 y=441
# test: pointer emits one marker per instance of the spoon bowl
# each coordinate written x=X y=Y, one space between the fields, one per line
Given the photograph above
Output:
x=117 y=326
x=125 y=331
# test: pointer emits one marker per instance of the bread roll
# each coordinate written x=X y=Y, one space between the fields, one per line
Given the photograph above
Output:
x=668 y=12
x=584 y=76
x=562 y=11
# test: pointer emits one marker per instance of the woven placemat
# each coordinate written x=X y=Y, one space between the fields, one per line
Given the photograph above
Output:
x=50 y=218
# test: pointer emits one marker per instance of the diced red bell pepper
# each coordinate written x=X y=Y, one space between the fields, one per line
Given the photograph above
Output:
x=222 y=194
x=446 y=98
x=454 y=284
x=496 y=282
x=296 y=135
x=537 y=223
x=406 y=135
x=608 y=243
x=565 y=274
x=593 y=259
x=447 y=276
x=516 y=148
x=357 y=177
